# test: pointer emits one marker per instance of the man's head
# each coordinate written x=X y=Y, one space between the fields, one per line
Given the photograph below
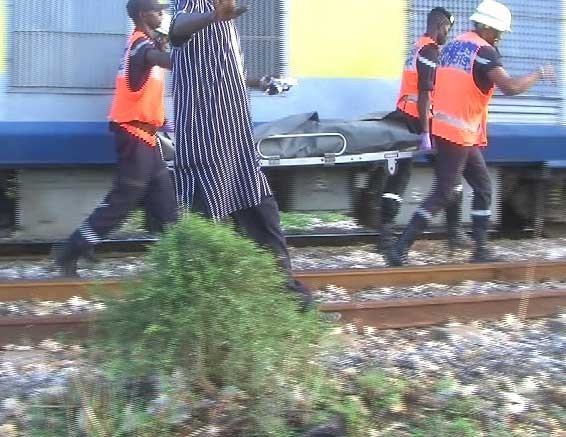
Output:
x=491 y=19
x=438 y=24
x=146 y=12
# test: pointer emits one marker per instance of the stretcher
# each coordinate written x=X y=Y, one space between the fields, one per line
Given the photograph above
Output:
x=304 y=140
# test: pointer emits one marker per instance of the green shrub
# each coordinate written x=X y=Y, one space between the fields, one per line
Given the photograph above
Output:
x=213 y=305
x=438 y=426
x=380 y=391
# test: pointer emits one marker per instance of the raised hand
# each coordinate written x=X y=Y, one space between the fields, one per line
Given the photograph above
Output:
x=226 y=10
x=548 y=73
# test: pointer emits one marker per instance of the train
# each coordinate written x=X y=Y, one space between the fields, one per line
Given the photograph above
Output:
x=58 y=61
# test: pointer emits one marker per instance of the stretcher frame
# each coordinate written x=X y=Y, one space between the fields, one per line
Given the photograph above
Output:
x=330 y=159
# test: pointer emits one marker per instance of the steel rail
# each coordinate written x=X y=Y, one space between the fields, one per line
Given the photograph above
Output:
x=386 y=314
x=350 y=279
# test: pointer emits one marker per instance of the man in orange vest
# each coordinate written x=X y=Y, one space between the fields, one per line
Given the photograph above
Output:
x=414 y=107
x=470 y=68
x=137 y=113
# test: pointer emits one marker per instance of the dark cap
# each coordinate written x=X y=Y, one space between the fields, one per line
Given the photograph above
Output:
x=134 y=7
x=442 y=11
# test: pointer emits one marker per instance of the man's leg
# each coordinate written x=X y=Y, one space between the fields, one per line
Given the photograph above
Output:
x=262 y=224
x=391 y=200
x=130 y=183
x=457 y=238
x=160 y=197
x=477 y=176
x=449 y=165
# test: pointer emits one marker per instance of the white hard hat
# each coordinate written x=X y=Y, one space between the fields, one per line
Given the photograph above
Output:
x=493 y=14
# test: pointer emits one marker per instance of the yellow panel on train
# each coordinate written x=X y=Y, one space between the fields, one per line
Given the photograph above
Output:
x=347 y=39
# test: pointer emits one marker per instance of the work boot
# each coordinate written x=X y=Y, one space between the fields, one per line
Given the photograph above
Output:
x=398 y=254
x=303 y=294
x=386 y=238
x=390 y=206
x=482 y=252
x=457 y=238
x=68 y=254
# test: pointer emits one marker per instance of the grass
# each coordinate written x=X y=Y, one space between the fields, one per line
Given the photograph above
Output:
x=304 y=221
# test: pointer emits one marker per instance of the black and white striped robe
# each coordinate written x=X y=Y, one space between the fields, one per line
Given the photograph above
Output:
x=213 y=128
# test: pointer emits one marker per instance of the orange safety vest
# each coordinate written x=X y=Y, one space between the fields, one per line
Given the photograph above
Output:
x=409 y=93
x=145 y=106
x=460 y=107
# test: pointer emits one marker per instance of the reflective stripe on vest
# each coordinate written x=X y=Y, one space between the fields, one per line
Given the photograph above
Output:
x=147 y=105
x=409 y=93
x=460 y=107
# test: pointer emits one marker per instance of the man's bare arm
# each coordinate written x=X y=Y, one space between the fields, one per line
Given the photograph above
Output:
x=512 y=86
x=423 y=106
x=159 y=58
x=186 y=25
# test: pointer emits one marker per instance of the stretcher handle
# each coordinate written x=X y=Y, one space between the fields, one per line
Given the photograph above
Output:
x=319 y=135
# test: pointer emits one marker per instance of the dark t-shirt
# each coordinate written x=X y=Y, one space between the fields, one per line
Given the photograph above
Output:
x=427 y=60
x=140 y=69
x=487 y=59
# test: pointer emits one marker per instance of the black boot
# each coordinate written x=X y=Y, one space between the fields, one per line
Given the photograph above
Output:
x=305 y=297
x=398 y=254
x=389 y=209
x=68 y=254
x=457 y=238
x=386 y=238
x=482 y=253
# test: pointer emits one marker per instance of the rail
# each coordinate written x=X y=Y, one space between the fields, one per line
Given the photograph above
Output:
x=381 y=314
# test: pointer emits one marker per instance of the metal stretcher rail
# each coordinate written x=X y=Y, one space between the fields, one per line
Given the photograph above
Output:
x=390 y=157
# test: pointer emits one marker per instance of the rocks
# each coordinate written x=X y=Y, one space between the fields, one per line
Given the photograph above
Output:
x=456 y=333
x=557 y=325
x=502 y=371
x=424 y=253
x=334 y=428
x=432 y=252
x=75 y=305
x=9 y=430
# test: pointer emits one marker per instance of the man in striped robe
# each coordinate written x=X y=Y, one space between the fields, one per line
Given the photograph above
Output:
x=217 y=168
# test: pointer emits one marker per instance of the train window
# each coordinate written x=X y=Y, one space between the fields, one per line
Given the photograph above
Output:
x=74 y=46
x=535 y=40
x=262 y=31
x=66 y=45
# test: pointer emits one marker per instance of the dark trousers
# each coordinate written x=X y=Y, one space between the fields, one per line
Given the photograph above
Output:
x=262 y=224
x=141 y=178
x=394 y=190
x=453 y=162
x=396 y=185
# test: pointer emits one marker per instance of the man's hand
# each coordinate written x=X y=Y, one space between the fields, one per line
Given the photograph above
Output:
x=426 y=144
x=547 y=73
x=226 y=10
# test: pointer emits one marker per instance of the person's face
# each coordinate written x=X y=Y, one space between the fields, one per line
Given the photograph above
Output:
x=443 y=31
x=153 y=17
x=492 y=36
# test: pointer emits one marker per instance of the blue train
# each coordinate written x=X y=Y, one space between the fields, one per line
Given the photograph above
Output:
x=58 y=59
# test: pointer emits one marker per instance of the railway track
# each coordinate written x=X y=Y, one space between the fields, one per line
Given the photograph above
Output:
x=138 y=245
x=391 y=313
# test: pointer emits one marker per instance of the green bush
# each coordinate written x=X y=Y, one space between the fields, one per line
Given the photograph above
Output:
x=214 y=306
x=380 y=391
